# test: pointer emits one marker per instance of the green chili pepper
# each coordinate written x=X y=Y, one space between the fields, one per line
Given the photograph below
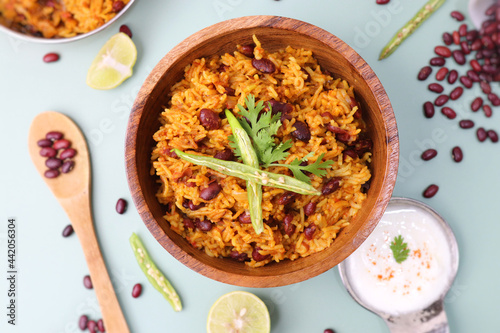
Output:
x=249 y=156
x=155 y=277
x=247 y=172
x=430 y=7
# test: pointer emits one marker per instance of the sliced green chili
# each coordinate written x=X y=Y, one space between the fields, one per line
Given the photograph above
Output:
x=154 y=275
x=249 y=156
x=247 y=172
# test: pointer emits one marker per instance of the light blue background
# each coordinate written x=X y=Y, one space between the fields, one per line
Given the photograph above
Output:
x=51 y=295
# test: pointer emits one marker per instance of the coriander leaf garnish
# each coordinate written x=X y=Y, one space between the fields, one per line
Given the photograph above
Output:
x=317 y=168
x=399 y=249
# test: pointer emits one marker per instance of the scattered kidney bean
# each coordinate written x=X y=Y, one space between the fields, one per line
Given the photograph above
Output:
x=209 y=119
x=442 y=51
x=54 y=135
x=82 y=322
x=428 y=110
x=457 y=15
x=476 y=104
x=121 y=206
x=457 y=154
x=435 y=87
x=481 y=134
x=126 y=30
x=493 y=135
x=309 y=231
x=441 y=100
x=330 y=186
x=100 y=326
x=245 y=218
x=382 y=2
x=475 y=65
x=328 y=330
x=473 y=76
x=310 y=208
x=67 y=166
x=92 y=325
x=203 y=225
x=424 y=73
x=301 y=132
x=458 y=56
x=50 y=57
x=441 y=73
x=257 y=256
x=67 y=231
x=464 y=46
x=117 y=6
x=449 y=112
x=466 y=124
x=447 y=38
x=53 y=163
x=453 y=76
x=487 y=110
x=485 y=87
x=462 y=30
x=51 y=173
x=466 y=82
x=264 y=65
x=61 y=144
x=87 y=282
x=67 y=153
x=456 y=37
x=429 y=154
x=430 y=191
x=226 y=155
x=456 y=93
x=437 y=61
x=44 y=143
x=137 y=290
x=48 y=152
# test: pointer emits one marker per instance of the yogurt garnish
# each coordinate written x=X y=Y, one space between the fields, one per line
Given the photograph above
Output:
x=384 y=285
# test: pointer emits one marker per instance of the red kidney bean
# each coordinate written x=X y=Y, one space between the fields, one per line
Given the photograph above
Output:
x=453 y=76
x=137 y=290
x=476 y=104
x=424 y=73
x=447 y=38
x=54 y=135
x=188 y=223
x=458 y=56
x=209 y=119
x=485 y=77
x=247 y=50
x=466 y=82
x=67 y=166
x=485 y=87
x=493 y=135
x=494 y=99
x=288 y=226
x=211 y=191
x=428 y=110
x=457 y=154
x=100 y=326
x=462 y=29
x=464 y=46
x=429 y=154
x=238 y=256
x=457 y=15
x=226 y=155
x=117 y=6
x=287 y=198
x=328 y=330
x=481 y=134
x=435 y=87
x=487 y=42
x=441 y=100
x=441 y=73
x=50 y=57
x=192 y=206
x=475 y=65
x=67 y=153
x=430 y=191
x=476 y=45
x=456 y=93
x=203 y=225
x=473 y=76
x=330 y=186
x=121 y=206
x=437 y=61
x=309 y=231
x=257 y=256
x=92 y=326
x=51 y=173
x=449 y=112
x=382 y=2
x=487 y=110
x=82 y=322
x=44 y=143
x=466 y=124
x=48 y=152
x=310 y=208
x=126 y=30
x=61 y=144
x=245 y=218
x=301 y=132
x=442 y=51
x=351 y=153
x=87 y=282
x=67 y=231
x=264 y=65
x=53 y=163
x=456 y=37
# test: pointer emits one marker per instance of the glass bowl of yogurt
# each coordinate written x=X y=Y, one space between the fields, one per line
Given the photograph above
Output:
x=404 y=269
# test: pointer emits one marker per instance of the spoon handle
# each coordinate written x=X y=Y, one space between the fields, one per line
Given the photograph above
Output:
x=430 y=320
x=79 y=212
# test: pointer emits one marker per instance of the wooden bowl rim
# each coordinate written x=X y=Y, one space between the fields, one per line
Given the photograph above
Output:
x=242 y=23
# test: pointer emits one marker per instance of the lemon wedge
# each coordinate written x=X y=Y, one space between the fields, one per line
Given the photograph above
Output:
x=113 y=64
x=238 y=312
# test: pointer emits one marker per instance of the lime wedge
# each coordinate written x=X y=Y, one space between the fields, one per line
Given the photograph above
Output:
x=113 y=64
x=238 y=312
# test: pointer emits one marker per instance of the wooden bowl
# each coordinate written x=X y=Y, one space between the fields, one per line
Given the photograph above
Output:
x=274 y=33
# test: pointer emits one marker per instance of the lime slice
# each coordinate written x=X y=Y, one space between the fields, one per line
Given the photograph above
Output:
x=238 y=312
x=113 y=64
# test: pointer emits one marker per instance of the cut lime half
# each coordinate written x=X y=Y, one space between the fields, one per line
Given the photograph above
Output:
x=113 y=64
x=238 y=312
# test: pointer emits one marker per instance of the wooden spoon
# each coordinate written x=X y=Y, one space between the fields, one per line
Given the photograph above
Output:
x=72 y=189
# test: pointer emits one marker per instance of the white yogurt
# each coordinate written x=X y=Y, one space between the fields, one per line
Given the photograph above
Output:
x=383 y=284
